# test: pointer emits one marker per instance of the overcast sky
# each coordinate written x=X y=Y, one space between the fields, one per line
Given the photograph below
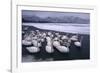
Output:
x=54 y=14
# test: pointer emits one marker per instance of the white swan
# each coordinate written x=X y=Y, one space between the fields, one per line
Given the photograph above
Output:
x=56 y=34
x=78 y=43
x=64 y=37
x=35 y=42
x=42 y=40
x=63 y=49
x=25 y=42
x=49 y=45
x=49 y=33
x=49 y=49
x=56 y=44
x=48 y=39
x=39 y=44
x=43 y=35
x=33 y=49
x=28 y=38
x=74 y=38
x=56 y=39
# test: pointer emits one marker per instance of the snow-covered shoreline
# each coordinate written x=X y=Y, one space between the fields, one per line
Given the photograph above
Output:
x=62 y=27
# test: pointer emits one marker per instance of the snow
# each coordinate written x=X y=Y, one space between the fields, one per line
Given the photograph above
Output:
x=63 y=27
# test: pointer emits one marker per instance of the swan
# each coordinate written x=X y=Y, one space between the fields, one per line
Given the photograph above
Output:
x=33 y=49
x=56 y=43
x=39 y=44
x=28 y=38
x=44 y=35
x=32 y=33
x=34 y=38
x=39 y=34
x=63 y=49
x=35 y=42
x=56 y=34
x=58 y=46
x=25 y=42
x=64 y=37
x=69 y=40
x=48 y=38
x=49 y=49
x=55 y=39
x=42 y=40
x=49 y=33
x=49 y=43
x=78 y=43
x=74 y=38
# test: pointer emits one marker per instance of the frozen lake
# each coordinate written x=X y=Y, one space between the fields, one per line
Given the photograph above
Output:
x=63 y=27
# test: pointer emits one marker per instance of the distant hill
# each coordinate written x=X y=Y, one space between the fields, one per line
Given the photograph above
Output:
x=63 y=19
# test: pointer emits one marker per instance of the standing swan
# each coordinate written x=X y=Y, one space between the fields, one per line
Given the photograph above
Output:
x=49 y=47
